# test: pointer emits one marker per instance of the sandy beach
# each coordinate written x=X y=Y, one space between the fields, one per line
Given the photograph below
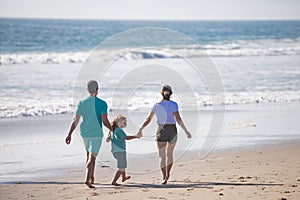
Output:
x=263 y=172
x=256 y=157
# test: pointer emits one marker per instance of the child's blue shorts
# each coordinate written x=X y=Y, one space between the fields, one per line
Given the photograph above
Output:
x=121 y=159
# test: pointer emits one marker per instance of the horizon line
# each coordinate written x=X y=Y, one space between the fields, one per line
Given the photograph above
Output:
x=129 y=19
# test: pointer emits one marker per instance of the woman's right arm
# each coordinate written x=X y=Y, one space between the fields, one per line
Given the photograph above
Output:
x=146 y=122
x=181 y=124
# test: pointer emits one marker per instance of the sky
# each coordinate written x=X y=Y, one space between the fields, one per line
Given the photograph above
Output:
x=153 y=10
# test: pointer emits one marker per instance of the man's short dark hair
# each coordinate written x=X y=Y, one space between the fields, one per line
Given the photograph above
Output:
x=92 y=86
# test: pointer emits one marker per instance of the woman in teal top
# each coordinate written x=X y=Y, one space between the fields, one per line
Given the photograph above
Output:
x=118 y=147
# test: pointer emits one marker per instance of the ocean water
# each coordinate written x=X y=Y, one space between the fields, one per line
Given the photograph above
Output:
x=258 y=61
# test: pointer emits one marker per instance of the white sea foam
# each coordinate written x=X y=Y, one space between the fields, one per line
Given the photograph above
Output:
x=43 y=58
x=143 y=102
x=34 y=108
x=266 y=47
x=35 y=90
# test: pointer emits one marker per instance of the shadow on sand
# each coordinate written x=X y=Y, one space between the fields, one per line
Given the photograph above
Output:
x=171 y=184
x=178 y=184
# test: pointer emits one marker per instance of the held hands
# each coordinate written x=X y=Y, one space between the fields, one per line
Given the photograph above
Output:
x=108 y=137
x=139 y=134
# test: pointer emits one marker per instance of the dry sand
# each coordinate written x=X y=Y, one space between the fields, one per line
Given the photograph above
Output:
x=264 y=172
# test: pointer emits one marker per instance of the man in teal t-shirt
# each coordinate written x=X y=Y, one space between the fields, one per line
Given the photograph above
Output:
x=91 y=126
x=93 y=112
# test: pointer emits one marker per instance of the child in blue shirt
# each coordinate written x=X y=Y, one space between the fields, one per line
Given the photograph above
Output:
x=118 y=146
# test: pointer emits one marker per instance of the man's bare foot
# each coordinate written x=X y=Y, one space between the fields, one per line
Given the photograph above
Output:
x=89 y=184
x=126 y=178
x=92 y=180
x=116 y=184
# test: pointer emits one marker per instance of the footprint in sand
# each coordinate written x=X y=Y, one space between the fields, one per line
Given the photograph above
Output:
x=293 y=185
x=94 y=194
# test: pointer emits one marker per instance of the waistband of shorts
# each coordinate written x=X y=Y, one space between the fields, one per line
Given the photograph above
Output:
x=92 y=138
x=166 y=124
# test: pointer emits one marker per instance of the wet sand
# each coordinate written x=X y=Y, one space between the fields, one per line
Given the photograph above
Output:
x=260 y=172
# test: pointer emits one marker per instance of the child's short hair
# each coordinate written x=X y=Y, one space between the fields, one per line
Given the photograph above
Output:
x=116 y=120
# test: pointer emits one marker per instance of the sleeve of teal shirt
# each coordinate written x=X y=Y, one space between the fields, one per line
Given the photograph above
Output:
x=104 y=108
x=121 y=134
x=78 y=110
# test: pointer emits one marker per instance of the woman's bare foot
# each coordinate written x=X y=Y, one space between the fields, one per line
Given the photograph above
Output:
x=165 y=181
x=126 y=178
x=116 y=184
x=89 y=184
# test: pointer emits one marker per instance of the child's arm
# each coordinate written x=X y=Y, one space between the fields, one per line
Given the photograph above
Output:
x=131 y=137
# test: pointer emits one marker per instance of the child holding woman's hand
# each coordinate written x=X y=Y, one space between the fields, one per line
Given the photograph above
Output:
x=118 y=146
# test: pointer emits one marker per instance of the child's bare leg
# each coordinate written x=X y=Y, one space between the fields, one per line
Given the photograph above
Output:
x=124 y=177
x=117 y=176
x=89 y=170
